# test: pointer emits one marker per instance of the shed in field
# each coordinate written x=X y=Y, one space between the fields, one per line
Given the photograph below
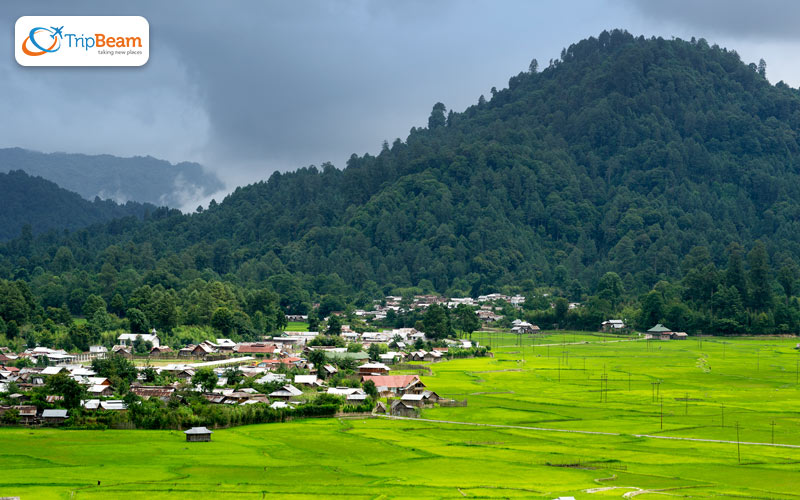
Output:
x=198 y=434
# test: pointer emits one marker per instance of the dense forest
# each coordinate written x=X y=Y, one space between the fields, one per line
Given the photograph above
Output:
x=140 y=179
x=41 y=206
x=651 y=178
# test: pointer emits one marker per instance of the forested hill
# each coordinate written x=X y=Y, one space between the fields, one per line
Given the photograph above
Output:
x=44 y=206
x=623 y=155
x=140 y=179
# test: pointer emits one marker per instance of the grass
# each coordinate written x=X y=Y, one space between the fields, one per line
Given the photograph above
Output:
x=296 y=326
x=755 y=379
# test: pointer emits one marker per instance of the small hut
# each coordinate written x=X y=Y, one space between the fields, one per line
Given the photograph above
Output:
x=198 y=434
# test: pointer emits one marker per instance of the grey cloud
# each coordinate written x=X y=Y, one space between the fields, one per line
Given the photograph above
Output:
x=764 y=19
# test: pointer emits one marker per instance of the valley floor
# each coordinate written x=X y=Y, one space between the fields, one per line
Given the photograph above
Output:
x=608 y=390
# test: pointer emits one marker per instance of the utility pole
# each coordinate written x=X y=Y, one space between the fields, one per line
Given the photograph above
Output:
x=662 y=414
x=738 y=450
x=722 y=412
x=773 y=432
x=686 y=398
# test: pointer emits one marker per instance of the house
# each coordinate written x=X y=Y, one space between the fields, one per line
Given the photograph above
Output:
x=401 y=409
x=225 y=345
x=310 y=380
x=161 y=351
x=100 y=390
x=114 y=405
x=186 y=352
x=98 y=349
x=524 y=327
x=54 y=416
x=380 y=408
x=255 y=348
x=286 y=392
x=202 y=350
x=53 y=370
x=162 y=392
x=122 y=350
x=392 y=357
x=27 y=413
x=660 y=332
x=391 y=385
x=373 y=369
x=680 y=335
x=612 y=325
x=330 y=369
x=198 y=434
x=127 y=339
x=415 y=400
x=97 y=381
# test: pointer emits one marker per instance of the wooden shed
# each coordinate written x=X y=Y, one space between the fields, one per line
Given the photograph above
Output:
x=198 y=434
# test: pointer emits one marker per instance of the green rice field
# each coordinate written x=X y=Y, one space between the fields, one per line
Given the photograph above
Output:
x=569 y=415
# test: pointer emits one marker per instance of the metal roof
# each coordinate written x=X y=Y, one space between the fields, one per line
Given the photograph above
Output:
x=54 y=414
x=198 y=430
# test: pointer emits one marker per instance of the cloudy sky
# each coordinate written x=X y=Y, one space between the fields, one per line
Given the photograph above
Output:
x=247 y=87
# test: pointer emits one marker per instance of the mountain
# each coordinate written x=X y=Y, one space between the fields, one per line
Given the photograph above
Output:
x=141 y=179
x=659 y=160
x=34 y=201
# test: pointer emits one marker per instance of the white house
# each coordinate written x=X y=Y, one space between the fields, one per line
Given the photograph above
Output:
x=612 y=324
x=129 y=338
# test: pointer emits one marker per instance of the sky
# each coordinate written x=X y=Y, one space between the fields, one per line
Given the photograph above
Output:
x=248 y=87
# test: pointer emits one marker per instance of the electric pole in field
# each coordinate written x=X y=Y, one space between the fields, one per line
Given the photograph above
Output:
x=773 y=432
x=662 y=413
x=738 y=450
x=722 y=413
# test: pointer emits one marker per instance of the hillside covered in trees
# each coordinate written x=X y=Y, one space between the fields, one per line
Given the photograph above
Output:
x=670 y=164
x=42 y=205
x=139 y=179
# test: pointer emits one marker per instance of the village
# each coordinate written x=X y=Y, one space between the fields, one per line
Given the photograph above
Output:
x=224 y=372
x=365 y=371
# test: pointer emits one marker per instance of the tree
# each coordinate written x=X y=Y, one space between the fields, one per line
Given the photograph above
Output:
x=138 y=321
x=533 y=67
x=334 y=325
x=611 y=289
x=318 y=358
x=12 y=330
x=63 y=385
x=205 y=378
x=437 y=118
x=116 y=368
x=313 y=321
x=436 y=322
x=374 y=352
x=787 y=277
x=734 y=274
x=561 y=309
x=222 y=320
x=370 y=388
x=141 y=346
x=93 y=304
x=762 y=67
x=761 y=296
x=466 y=319
x=652 y=309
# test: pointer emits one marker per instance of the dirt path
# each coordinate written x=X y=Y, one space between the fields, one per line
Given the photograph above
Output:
x=596 y=433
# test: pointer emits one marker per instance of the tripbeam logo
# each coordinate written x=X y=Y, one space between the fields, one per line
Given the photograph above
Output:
x=82 y=41
x=39 y=50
